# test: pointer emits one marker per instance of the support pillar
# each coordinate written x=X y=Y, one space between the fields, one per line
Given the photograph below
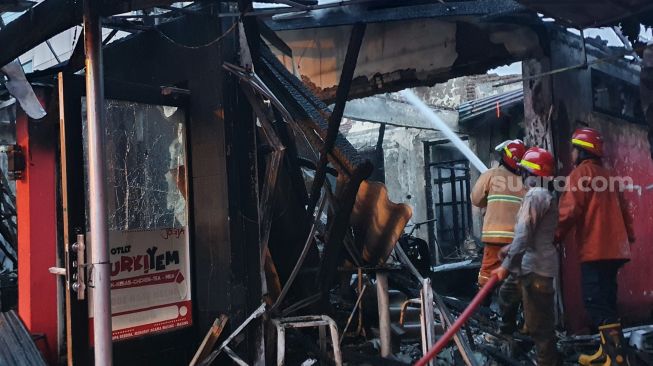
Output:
x=37 y=230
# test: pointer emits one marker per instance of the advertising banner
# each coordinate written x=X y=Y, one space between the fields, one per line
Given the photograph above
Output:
x=150 y=282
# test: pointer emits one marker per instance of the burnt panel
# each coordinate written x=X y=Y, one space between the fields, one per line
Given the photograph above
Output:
x=616 y=97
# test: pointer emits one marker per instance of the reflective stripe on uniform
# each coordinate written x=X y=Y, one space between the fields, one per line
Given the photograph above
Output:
x=498 y=234
x=504 y=198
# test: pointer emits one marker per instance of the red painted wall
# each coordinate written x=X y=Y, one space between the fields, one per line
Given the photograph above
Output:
x=37 y=231
x=628 y=154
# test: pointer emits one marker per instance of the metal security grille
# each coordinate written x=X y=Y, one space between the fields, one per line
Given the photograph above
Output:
x=447 y=194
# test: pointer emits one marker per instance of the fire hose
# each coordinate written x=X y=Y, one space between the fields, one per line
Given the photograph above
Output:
x=471 y=308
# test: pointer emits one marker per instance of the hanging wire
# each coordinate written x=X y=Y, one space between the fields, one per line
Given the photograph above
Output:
x=167 y=38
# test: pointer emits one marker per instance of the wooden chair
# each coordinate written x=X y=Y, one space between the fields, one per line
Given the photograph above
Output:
x=377 y=223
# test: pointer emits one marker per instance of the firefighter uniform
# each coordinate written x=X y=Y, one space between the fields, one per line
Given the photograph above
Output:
x=500 y=191
x=603 y=231
x=533 y=257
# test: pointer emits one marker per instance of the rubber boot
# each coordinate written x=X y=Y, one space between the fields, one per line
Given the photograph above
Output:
x=614 y=345
x=598 y=358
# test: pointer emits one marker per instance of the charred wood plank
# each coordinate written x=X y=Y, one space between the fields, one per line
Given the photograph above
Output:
x=76 y=60
x=209 y=340
x=266 y=199
x=310 y=116
x=309 y=112
x=273 y=38
x=349 y=66
x=291 y=161
x=338 y=228
x=271 y=167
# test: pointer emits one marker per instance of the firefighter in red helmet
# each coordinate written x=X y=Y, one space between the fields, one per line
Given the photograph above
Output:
x=604 y=232
x=532 y=256
x=500 y=191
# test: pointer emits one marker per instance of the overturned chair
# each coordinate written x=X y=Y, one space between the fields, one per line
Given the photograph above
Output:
x=377 y=223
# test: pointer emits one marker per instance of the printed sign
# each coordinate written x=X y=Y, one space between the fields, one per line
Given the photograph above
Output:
x=150 y=282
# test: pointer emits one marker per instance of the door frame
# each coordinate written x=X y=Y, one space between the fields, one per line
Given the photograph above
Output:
x=71 y=89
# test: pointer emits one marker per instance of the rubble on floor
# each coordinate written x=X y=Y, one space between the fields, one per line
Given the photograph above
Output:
x=361 y=344
x=16 y=344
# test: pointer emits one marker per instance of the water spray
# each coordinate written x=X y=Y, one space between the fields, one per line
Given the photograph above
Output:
x=439 y=124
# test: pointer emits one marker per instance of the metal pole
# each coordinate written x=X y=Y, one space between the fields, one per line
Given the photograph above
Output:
x=384 y=313
x=467 y=313
x=96 y=173
x=428 y=323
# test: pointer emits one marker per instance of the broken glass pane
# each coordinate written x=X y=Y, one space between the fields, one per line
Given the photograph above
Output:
x=145 y=157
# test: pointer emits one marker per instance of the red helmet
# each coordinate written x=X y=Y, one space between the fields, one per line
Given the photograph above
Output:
x=589 y=140
x=511 y=152
x=538 y=161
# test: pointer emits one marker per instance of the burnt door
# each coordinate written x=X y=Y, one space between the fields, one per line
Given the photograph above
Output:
x=147 y=204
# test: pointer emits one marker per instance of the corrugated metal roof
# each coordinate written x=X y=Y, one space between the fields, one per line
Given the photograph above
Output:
x=475 y=108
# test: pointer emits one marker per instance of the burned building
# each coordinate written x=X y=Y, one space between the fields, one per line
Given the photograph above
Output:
x=201 y=158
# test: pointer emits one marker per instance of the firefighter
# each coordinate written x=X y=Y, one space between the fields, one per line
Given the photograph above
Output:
x=532 y=256
x=603 y=232
x=500 y=191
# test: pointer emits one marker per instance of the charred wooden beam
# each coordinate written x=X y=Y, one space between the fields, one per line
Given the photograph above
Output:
x=272 y=37
x=76 y=60
x=339 y=227
x=36 y=25
x=52 y=17
x=340 y=223
x=240 y=132
x=347 y=75
x=209 y=340
x=266 y=198
x=291 y=157
x=109 y=37
x=309 y=121
x=309 y=112
x=244 y=188
x=272 y=164
x=126 y=25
